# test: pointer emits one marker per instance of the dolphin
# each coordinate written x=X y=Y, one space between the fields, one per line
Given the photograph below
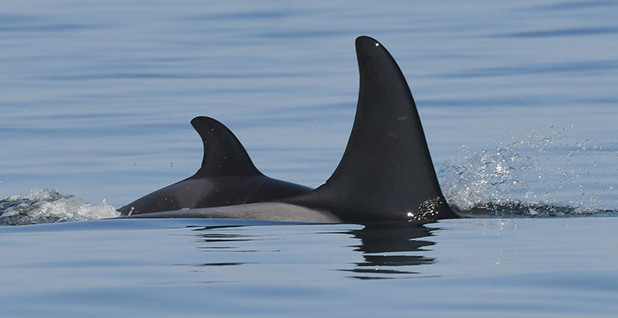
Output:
x=386 y=173
x=227 y=176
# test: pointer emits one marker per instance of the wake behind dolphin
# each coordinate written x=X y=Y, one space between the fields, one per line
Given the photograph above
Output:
x=386 y=173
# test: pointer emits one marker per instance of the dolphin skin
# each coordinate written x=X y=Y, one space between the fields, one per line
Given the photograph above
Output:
x=386 y=173
x=227 y=177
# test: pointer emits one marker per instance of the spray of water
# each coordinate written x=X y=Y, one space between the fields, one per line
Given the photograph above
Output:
x=46 y=206
x=540 y=175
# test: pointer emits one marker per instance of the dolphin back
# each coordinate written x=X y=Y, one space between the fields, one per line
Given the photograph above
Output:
x=386 y=172
x=227 y=176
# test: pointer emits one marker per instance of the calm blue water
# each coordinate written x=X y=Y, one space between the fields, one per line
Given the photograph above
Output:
x=518 y=102
x=196 y=268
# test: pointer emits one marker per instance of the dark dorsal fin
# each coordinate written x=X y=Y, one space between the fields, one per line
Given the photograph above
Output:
x=224 y=155
x=386 y=172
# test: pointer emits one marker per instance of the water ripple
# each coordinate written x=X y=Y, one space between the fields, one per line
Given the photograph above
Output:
x=33 y=23
x=582 y=31
x=601 y=66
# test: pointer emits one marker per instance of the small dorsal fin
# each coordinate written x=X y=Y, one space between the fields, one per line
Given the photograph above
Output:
x=386 y=172
x=224 y=155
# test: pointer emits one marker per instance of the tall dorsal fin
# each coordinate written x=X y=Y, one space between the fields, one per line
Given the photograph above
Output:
x=386 y=172
x=224 y=155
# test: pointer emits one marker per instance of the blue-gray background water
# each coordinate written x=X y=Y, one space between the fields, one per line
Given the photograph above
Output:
x=518 y=101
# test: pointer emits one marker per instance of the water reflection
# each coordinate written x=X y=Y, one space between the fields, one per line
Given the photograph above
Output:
x=390 y=249
x=387 y=250
x=217 y=240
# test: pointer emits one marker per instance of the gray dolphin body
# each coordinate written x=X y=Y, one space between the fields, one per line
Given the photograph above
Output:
x=386 y=173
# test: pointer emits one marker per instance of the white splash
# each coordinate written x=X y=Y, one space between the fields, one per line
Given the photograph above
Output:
x=47 y=206
x=541 y=175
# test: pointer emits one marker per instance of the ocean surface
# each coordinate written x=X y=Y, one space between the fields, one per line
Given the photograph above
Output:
x=519 y=103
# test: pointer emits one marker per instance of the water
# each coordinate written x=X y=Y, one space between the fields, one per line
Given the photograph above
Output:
x=518 y=102
x=190 y=268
